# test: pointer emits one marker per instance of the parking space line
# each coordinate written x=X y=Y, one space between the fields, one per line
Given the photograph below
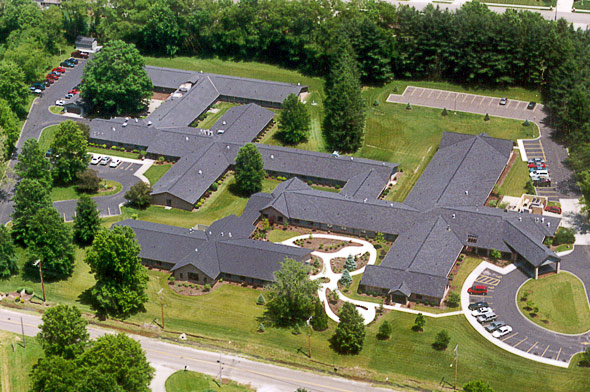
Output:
x=545 y=350
x=510 y=336
x=439 y=93
x=466 y=96
x=557 y=359
x=431 y=92
x=413 y=91
x=472 y=99
x=422 y=92
x=533 y=346
x=446 y=96
x=525 y=338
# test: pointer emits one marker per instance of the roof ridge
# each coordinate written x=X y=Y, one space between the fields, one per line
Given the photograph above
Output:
x=420 y=247
x=465 y=154
x=546 y=250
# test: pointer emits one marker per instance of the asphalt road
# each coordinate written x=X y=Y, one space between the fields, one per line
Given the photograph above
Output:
x=527 y=336
x=169 y=357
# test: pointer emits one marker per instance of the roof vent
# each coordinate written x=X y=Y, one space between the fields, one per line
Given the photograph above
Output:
x=201 y=71
x=453 y=216
x=536 y=219
x=391 y=204
x=364 y=201
x=466 y=193
x=196 y=249
x=352 y=158
x=448 y=228
x=149 y=123
x=542 y=220
x=223 y=122
x=200 y=171
x=124 y=124
x=227 y=147
x=190 y=230
x=126 y=118
x=209 y=232
x=229 y=234
x=271 y=156
x=548 y=224
x=222 y=233
x=114 y=129
x=520 y=218
x=136 y=120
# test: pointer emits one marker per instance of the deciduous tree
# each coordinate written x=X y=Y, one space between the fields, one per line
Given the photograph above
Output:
x=121 y=279
x=89 y=181
x=294 y=121
x=63 y=332
x=9 y=127
x=249 y=170
x=139 y=195
x=69 y=152
x=161 y=33
x=8 y=265
x=12 y=86
x=30 y=196
x=87 y=220
x=385 y=331
x=349 y=336
x=33 y=164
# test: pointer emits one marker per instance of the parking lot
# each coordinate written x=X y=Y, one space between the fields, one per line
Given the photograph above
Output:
x=525 y=336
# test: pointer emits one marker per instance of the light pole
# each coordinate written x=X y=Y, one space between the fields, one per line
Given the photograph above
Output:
x=456 y=363
x=41 y=275
x=161 y=306
x=309 y=336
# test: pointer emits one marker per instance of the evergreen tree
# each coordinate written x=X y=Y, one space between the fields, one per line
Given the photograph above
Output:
x=344 y=108
x=33 y=164
x=249 y=170
x=29 y=197
x=350 y=264
x=8 y=265
x=87 y=220
x=294 y=121
x=319 y=322
x=260 y=300
x=349 y=336
x=345 y=279
x=419 y=322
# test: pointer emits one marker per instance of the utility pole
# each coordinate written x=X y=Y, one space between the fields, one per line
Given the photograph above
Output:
x=161 y=306
x=41 y=275
x=309 y=336
x=456 y=363
x=22 y=327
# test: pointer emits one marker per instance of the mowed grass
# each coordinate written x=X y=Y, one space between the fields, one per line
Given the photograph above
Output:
x=71 y=192
x=516 y=179
x=113 y=153
x=17 y=361
x=212 y=118
x=47 y=136
x=155 y=172
x=278 y=235
x=531 y=3
x=562 y=301
x=187 y=381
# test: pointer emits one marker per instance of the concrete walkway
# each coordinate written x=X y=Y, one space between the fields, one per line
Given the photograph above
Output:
x=564 y=5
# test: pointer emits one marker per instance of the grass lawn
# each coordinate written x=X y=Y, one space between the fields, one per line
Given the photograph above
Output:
x=468 y=264
x=188 y=381
x=533 y=3
x=564 y=247
x=17 y=364
x=515 y=181
x=562 y=302
x=155 y=172
x=114 y=153
x=46 y=137
x=278 y=235
x=71 y=192
x=582 y=5
x=213 y=117
x=56 y=109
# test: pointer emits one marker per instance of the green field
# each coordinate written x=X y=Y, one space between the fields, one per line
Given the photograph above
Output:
x=187 y=381
x=515 y=181
x=15 y=365
x=213 y=117
x=562 y=302
x=532 y=3
x=46 y=137
x=71 y=192
x=155 y=172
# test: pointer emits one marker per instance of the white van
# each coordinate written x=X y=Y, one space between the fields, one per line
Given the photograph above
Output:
x=541 y=172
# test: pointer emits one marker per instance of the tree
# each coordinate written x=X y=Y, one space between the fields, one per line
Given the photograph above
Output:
x=249 y=170
x=93 y=380
x=344 y=108
x=33 y=164
x=260 y=300
x=496 y=254
x=419 y=322
x=29 y=197
x=350 y=264
x=89 y=181
x=86 y=221
x=139 y=195
x=477 y=386
x=63 y=332
x=51 y=241
x=54 y=374
x=486 y=117
x=319 y=322
x=115 y=80
x=441 y=340
x=123 y=358
x=9 y=126
x=69 y=152
x=121 y=279
x=585 y=360
x=345 y=279
x=294 y=121
x=385 y=331
x=291 y=296
x=12 y=86
x=349 y=336
x=75 y=14
x=564 y=235
x=453 y=299
x=8 y=265
x=161 y=33
x=529 y=188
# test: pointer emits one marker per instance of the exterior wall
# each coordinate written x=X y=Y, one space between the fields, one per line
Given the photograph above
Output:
x=245 y=279
x=166 y=199
x=193 y=274
x=110 y=143
x=267 y=104
x=373 y=290
x=315 y=180
x=157 y=264
x=414 y=297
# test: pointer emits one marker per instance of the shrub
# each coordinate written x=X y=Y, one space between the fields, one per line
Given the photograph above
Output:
x=143 y=153
x=477 y=386
x=161 y=159
x=419 y=323
x=207 y=287
x=441 y=341
x=496 y=254
x=350 y=264
x=171 y=279
x=346 y=279
x=529 y=188
x=88 y=181
x=214 y=186
x=585 y=361
x=296 y=330
x=309 y=182
x=134 y=216
x=526 y=123
x=376 y=102
x=261 y=327
x=453 y=299
x=316 y=263
x=444 y=112
x=261 y=300
x=493 y=203
x=408 y=106
x=28 y=291
x=486 y=117
x=564 y=236
x=385 y=331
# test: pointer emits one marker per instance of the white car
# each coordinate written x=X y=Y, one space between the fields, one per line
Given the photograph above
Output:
x=60 y=102
x=105 y=160
x=95 y=160
x=115 y=162
x=505 y=330
x=480 y=311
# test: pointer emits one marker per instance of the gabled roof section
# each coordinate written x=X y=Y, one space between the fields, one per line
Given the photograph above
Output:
x=533 y=251
x=365 y=185
x=394 y=279
x=170 y=78
x=242 y=124
x=113 y=130
x=177 y=142
x=292 y=184
x=254 y=89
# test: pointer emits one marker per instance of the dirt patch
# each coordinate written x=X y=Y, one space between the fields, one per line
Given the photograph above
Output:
x=193 y=289
x=160 y=96
x=325 y=245
x=337 y=263
x=334 y=305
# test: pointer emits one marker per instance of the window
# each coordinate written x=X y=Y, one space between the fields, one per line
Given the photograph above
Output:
x=280 y=219
x=180 y=274
x=418 y=296
x=193 y=276
x=472 y=238
x=205 y=280
x=169 y=202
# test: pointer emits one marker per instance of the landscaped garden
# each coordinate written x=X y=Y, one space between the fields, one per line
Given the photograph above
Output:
x=556 y=302
x=210 y=117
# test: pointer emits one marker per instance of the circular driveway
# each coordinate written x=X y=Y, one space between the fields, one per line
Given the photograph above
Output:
x=527 y=336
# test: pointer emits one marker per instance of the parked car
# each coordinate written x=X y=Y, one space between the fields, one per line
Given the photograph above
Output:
x=67 y=64
x=68 y=96
x=533 y=160
x=531 y=105
x=72 y=60
x=49 y=80
x=39 y=85
x=115 y=162
x=52 y=76
x=486 y=317
x=95 y=160
x=80 y=55
x=59 y=69
x=554 y=209
x=502 y=331
x=60 y=102
x=48 y=153
x=46 y=83
x=105 y=160
x=73 y=91
x=478 y=305
x=480 y=311
x=494 y=326
x=37 y=91
x=537 y=164
x=503 y=101
x=478 y=289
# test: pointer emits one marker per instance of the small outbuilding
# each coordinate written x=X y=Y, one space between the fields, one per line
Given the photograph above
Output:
x=87 y=44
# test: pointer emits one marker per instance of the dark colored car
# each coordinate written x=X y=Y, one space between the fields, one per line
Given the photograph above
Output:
x=48 y=153
x=79 y=55
x=40 y=86
x=531 y=105
x=478 y=305
x=67 y=64
x=72 y=60
x=554 y=209
x=478 y=289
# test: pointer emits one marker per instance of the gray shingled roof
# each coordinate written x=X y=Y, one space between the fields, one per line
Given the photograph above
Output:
x=170 y=78
x=135 y=133
x=394 y=279
x=365 y=185
x=242 y=124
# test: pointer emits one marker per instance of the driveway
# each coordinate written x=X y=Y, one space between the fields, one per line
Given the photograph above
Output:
x=555 y=154
x=107 y=205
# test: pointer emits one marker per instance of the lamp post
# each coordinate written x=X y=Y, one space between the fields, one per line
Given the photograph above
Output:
x=161 y=306
x=309 y=336
x=456 y=363
x=41 y=275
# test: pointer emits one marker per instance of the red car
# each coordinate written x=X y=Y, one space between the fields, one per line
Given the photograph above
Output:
x=52 y=76
x=478 y=289
x=48 y=79
x=554 y=209
x=74 y=91
x=59 y=69
x=80 y=55
x=537 y=164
